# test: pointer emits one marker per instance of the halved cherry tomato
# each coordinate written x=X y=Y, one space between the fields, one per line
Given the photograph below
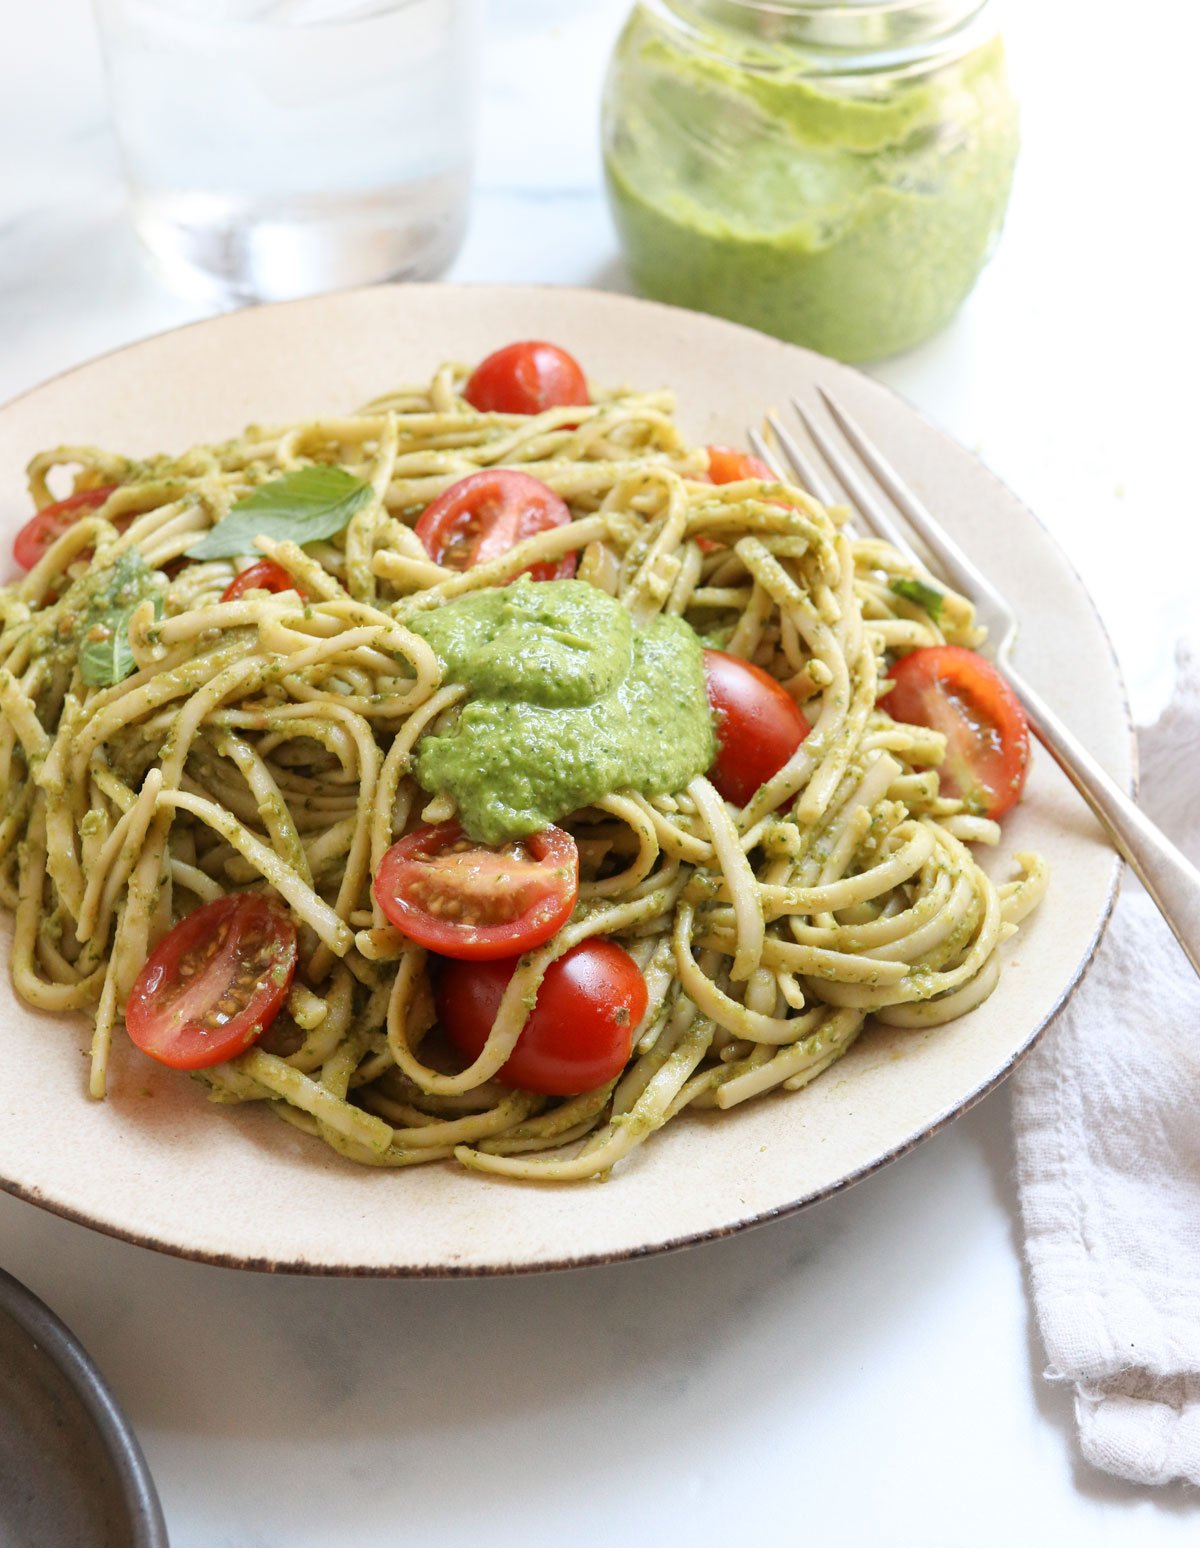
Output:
x=526 y=378
x=726 y=465
x=473 y=902
x=486 y=514
x=759 y=725
x=49 y=524
x=955 y=691
x=213 y=984
x=265 y=575
x=581 y=1029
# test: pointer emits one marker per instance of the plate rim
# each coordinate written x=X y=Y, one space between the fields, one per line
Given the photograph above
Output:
x=55 y=1342
x=326 y=1270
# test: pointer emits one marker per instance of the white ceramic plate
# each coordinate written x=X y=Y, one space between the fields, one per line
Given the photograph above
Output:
x=157 y=1164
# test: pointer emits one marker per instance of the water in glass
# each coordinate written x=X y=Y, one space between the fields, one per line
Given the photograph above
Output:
x=279 y=147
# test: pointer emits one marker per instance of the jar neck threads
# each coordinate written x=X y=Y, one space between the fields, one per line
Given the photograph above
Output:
x=834 y=37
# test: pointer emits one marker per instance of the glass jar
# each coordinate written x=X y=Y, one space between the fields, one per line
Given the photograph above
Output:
x=834 y=172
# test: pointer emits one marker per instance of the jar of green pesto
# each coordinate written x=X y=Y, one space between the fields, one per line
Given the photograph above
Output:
x=834 y=172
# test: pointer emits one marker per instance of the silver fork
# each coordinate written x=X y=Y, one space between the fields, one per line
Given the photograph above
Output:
x=1167 y=875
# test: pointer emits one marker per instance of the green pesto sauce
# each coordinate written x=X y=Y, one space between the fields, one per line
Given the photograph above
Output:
x=851 y=216
x=567 y=703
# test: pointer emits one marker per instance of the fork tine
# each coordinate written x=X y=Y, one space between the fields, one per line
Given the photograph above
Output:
x=801 y=464
x=768 y=454
x=958 y=569
x=872 y=510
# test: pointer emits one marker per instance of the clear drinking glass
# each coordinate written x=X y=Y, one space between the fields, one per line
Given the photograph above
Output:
x=276 y=148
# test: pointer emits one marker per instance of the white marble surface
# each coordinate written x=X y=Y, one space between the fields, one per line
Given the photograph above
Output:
x=865 y=1373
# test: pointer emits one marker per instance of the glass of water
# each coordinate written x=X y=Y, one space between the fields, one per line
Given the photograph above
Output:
x=276 y=148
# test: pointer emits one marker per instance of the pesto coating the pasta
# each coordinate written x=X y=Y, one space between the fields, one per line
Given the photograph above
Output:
x=568 y=703
x=285 y=741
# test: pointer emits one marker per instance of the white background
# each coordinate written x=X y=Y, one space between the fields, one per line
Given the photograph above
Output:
x=867 y=1373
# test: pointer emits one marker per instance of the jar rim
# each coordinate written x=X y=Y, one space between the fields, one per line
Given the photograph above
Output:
x=836 y=37
x=859 y=7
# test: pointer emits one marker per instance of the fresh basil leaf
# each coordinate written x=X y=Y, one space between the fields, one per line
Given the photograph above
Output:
x=924 y=596
x=102 y=633
x=298 y=507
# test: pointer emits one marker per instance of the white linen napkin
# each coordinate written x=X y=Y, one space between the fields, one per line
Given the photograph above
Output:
x=1106 y=1114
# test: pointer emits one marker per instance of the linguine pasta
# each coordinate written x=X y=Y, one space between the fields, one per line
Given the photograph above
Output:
x=268 y=742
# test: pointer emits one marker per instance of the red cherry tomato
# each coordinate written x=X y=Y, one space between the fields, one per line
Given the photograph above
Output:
x=486 y=514
x=472 y=902
x=726 y=465
x=213 y=984
x=49 y=524
x=955 y=691
x=265 y=575
x=581 y=1030
x=759 y=725
x=526 y=378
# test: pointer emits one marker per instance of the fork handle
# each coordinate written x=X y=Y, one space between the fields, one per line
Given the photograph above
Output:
x=1172 y=881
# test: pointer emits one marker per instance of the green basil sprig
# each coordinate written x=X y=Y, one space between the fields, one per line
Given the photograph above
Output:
x=924 y=596
x=299 y=507
x=102 y=632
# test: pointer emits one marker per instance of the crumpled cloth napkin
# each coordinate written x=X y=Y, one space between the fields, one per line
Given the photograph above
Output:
x=1106 y=1116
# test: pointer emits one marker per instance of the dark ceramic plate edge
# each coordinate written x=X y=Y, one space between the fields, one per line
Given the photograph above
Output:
x=56 y=1342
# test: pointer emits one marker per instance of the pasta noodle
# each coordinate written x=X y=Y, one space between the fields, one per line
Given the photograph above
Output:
x=268 y=743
